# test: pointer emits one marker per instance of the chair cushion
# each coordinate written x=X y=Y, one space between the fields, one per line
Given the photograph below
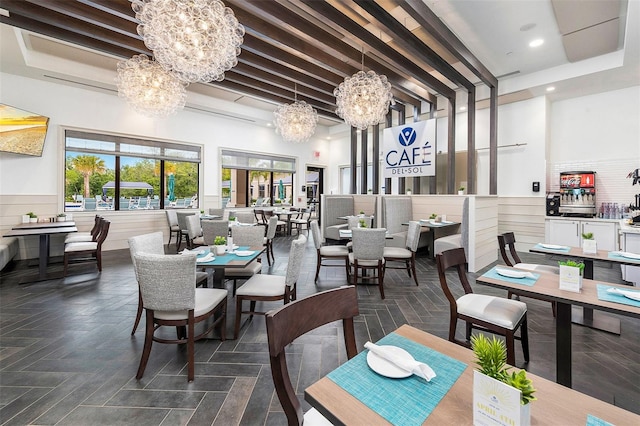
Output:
x=206 y=300
x=496 y=310
x=334 y=251
x=262 y=285
x=538 y=268
x=253 y=268
x=333 y=232
x=362 y=262
x=397 y=253
x=447 y=243
x=198 y=241
x=81 y=246
x=314 y=418
x=201 y=276
x=175 y=228
x=76 y=237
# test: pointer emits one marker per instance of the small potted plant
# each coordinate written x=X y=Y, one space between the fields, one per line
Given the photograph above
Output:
x=461 y=190
x=33 y=218
x=232 y=218
x=588 y=243
x=361 y=213
x=499 y=397
x=61 y=217
x=219 y=244
x=362 y=223
x=571 y=273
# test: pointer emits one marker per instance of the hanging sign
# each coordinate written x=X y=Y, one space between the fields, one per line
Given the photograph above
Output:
x=410 y=150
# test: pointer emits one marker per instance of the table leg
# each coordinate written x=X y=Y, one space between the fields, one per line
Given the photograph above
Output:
x=563 y=344
x=603 y=322
x=218 y=278
x=44 y=255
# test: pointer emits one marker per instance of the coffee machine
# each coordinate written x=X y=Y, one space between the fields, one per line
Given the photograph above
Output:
x=578 y=194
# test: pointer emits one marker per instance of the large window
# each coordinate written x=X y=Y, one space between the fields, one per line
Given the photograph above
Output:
x=107 y=172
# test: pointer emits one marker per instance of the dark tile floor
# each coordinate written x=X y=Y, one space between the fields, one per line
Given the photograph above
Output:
x=67 y=357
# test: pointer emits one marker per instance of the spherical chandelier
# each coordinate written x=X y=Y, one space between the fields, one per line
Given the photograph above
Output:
x=363 y=99
x=149 y=88
x=295 y=122
x=197 y=39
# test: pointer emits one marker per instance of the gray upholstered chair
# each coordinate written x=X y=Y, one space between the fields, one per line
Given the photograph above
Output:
x=272 y=226
x=252 y=236
x=328 y=252
x=263 y=287
x=214 y=228
x=368 y=253
x=182 y=223
x=194 y=231
x=482 y=312
x=460 y=240
x=152 y=244
x=87 y=250
x=170 y=298
x=77 y=237
x=333 y=208
x=396 y=210
x=302 y=221
x=405 y=255
x=246 y=216
x=280 y=224
x=216 y=212
x=508 y=239
x=174 y=227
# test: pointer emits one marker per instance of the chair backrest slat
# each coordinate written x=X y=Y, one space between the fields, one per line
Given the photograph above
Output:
x=508 y=239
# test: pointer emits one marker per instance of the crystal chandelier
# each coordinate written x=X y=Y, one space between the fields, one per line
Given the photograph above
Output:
x=295 y=122
x=197 y=39
x=363 y=99
x=149 y=88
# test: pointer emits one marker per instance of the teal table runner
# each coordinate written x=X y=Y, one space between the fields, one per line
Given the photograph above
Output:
x=524 y=281
x=615 y=255
x=407 y=401
x=559 y=250
x=596 y=421
x=617 y=298
x=224 y=259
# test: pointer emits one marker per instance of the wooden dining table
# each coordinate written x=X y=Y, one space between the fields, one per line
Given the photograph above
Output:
x=546 y=287
x=555 y=405
x=44 y=230
x=227 y=260
x=588 y=319
x=433 y=228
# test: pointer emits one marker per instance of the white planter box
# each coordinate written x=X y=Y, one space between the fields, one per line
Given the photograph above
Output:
x=570 y=278
x=219 y=250
x=25 y=218
x=589 y=247
x=497 y=404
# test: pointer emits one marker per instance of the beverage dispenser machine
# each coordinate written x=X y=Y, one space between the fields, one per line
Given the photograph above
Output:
x=578 y=194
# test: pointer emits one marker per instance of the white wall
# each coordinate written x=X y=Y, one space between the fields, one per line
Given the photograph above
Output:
x=104 y=112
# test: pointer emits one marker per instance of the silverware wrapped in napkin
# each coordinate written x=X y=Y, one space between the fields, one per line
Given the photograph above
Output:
x=420 y=369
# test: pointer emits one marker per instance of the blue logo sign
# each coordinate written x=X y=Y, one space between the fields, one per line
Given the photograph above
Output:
x=407 y=136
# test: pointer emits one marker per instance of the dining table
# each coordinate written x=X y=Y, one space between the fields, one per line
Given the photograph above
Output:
x=44 y=230
x=286 y=215
x=545 y=286
x=353 y=394
x=239 y=257
x=434 y=227
x=587 y=317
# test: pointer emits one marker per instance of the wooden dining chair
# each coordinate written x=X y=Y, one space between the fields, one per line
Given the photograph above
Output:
x=482 y=312
x=272 y=226
x=170 y=298
x=194 y=231
x=92 y=235
x=265 y=288
x=405 y=255
x=291 y=321
x=214 y=228
x=250 y=236
x=174 y=227
x=152 y=244
x=87 y=250
x=368 y=254
x=508 y=239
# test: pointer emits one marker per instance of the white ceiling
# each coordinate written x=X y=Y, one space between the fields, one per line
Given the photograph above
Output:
x=497 y=32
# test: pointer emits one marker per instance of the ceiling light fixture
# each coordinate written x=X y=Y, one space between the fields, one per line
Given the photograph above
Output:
x=198 y=39
x=149 y=88
x=536 y=43
x=363 y=99
x=295 y=122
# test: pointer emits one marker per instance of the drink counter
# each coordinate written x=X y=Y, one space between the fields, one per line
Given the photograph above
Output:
x=630 y=241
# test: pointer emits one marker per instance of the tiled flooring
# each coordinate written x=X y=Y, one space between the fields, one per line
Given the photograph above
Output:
x=67 y=356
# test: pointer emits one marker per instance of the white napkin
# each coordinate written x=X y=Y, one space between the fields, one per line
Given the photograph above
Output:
x=209 y=257
x=420 y=369
x=508 y=272
x=635 y=295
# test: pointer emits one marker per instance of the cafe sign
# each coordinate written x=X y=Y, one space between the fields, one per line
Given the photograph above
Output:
x=409 y=150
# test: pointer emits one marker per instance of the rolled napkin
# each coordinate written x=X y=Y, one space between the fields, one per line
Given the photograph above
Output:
x=209 y=257
x=514 y=273
x=635 y=295
x=420 y=369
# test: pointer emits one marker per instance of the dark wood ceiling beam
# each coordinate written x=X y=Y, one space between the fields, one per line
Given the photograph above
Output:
x=379 y=47
x=67 y=25
x=90 y=15
x=433 y=25
x=405 y=38
x=37 y=27
x=120 y=8
x=313 y=35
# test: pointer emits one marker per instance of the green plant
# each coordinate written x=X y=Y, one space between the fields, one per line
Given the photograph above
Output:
x=574 y=264
x=62 y=215
x=219 y=241
x=461 y=188
x=587 y=235
x=433 y=216
x=363 y=224
x=32 y=215
x=361 y=211
x=491 y=357
x=201 y=211
x=232 y=218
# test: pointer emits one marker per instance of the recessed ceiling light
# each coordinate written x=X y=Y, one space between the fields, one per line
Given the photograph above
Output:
x=463 y=108
x=536 y=43
x=550 y=89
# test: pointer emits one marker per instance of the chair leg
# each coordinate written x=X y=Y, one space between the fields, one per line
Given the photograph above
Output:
x=524 y=339
x=381 y=279
x=511 y=353
x=346 y=264
x=223 y=322
x=236 y=327
x=99 y=259
x=66 y=264
x=148 y=340
x=190 y=348
x=252 y=309
x=318 y=263
x=355 y=273
x=268 y=252
x=138 y=314
x=413 y=269
x=553 y=308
